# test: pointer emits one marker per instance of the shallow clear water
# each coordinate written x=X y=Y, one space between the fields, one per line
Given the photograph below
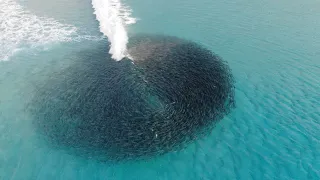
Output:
x=272 y=48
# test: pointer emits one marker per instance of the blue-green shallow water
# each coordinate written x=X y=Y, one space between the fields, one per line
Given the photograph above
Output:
x=273 y=50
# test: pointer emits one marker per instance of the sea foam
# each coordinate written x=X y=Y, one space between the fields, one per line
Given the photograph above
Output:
x=114 y=17
x=20 y=29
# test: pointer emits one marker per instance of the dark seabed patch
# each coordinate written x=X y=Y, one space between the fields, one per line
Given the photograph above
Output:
x=173 y=92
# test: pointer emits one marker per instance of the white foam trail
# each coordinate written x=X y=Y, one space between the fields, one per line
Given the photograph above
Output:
x=19 y=28
x=114 y=17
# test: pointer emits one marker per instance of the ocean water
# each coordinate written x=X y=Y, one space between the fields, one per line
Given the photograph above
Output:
x=272 y=48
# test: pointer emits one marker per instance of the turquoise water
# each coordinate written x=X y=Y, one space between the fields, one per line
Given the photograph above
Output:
x=272 y=48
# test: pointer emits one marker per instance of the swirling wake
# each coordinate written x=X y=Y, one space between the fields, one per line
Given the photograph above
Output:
x=114 y=17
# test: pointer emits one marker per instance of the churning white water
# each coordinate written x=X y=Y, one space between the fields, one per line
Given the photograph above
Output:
x=20 y=28
x=114 y=17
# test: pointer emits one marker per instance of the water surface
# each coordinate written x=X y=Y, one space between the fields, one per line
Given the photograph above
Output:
x=272 y=48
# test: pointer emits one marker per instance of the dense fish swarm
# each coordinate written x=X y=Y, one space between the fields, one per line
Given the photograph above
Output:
x=172 y=92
